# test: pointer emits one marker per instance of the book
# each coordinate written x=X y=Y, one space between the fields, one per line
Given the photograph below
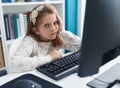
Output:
x=7 y=31
x=2 y=64
x=5 y=1
x=23 y=17
x=11 y=28
x=18 y=25
x=15 y=25
x=22 y=24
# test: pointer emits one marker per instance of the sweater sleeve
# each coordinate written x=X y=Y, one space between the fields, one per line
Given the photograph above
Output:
x=25 y=59
x=70 y=41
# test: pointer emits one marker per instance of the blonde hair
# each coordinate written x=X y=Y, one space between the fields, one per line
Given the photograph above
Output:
x=34 y=18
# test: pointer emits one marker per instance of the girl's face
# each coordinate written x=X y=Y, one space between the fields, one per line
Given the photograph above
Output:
x=48 y=28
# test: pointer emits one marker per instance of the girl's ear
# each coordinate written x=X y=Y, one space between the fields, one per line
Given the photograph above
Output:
x=36 y=30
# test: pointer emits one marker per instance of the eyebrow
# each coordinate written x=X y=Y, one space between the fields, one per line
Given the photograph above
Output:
x=53 y=22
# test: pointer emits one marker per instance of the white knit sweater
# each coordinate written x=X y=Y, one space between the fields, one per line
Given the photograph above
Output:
x=29 y=53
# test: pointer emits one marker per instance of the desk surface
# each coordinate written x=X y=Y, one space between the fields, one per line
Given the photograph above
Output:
x=71 y=81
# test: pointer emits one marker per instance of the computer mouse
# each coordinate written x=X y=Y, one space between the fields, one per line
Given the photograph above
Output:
x=26 y=83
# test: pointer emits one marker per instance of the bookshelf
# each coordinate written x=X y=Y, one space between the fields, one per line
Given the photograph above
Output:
x=2 y=36
x=18 y=8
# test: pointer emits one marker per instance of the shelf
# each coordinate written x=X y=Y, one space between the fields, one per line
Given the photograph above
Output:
x=27 y=6
x=2 y=68
x=9 y=42
x=21 y=7
x=31 y=3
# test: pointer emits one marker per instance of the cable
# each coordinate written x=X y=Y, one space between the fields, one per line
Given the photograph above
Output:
x=113 y=83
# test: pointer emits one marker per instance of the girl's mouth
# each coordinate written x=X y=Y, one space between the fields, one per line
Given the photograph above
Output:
x=53 y=33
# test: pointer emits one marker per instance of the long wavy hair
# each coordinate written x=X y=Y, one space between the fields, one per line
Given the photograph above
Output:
x=47 y=9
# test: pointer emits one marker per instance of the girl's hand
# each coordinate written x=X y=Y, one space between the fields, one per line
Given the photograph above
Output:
x=60 y=23
x=56 y=54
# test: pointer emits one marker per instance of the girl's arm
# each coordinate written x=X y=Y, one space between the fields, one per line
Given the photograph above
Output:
x=70 y=41
x=26 y=57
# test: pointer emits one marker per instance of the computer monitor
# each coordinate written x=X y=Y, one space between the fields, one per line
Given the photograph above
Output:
x=101 y=35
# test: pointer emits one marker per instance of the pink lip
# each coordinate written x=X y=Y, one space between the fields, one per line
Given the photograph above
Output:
x=53 y=33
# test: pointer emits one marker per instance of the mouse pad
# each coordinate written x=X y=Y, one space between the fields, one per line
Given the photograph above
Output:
x=42 y=82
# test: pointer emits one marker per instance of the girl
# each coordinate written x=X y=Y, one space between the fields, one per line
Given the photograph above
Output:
x=42 y=41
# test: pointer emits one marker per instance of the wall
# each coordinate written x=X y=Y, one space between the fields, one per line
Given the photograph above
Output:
x=71 y=15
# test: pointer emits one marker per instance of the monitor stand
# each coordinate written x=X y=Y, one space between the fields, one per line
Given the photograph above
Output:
x=109 y=76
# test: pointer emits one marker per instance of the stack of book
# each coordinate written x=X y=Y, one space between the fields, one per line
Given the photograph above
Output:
x=12 y=1
x=15 y=25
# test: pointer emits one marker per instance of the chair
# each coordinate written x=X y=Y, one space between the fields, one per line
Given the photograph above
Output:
x=14 y=45
x=12 y=49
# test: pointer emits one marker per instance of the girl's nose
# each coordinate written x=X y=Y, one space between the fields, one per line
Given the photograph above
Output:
x=53 y=27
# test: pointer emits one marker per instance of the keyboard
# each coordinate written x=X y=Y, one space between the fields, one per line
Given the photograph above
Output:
x=61 y=68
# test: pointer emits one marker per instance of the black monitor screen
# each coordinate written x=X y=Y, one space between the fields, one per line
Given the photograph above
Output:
x=101 y=35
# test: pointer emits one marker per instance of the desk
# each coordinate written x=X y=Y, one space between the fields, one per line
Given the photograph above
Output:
x=71 y=81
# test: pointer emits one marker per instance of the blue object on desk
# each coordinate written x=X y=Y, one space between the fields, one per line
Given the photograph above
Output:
x=29 y=80
x=5 y=1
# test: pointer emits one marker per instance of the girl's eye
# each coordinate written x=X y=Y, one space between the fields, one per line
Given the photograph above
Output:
x=47 y=25
x=56 y=23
